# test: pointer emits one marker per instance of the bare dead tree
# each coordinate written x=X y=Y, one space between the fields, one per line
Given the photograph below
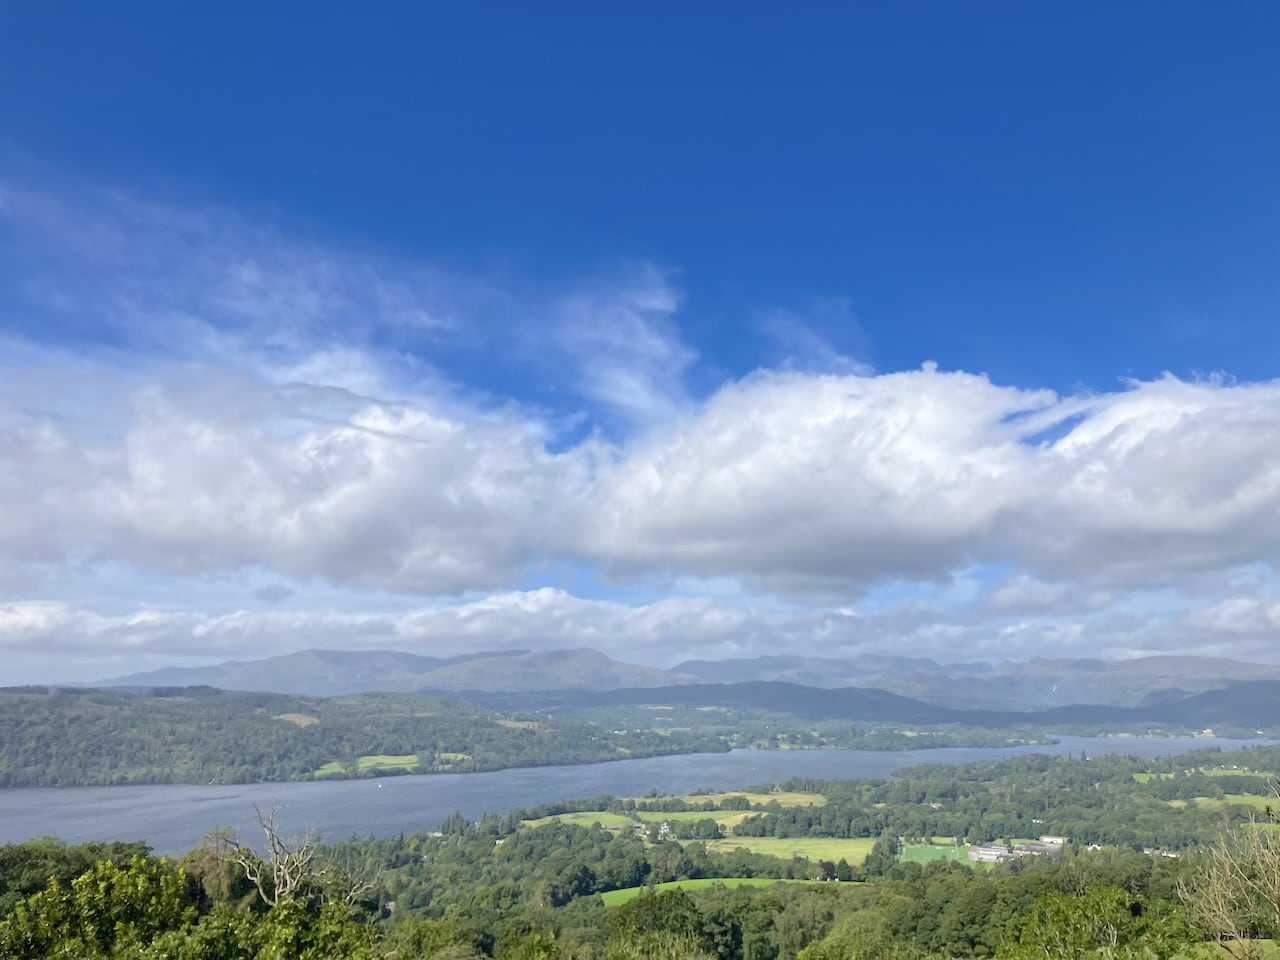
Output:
x=296 y=866
x=288 y=869
x=1217 y=905
x=1235 y=898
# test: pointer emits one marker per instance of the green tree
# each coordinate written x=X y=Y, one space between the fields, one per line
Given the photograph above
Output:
x=883 y=856
x=105 y=910
x=1104 y=922
x=671 y=914
x=657 y=946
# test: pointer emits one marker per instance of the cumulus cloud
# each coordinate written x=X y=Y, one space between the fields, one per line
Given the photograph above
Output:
x=799 y=485
x=819 y=483
x=253 y=402
x=1243 y=617
x=220 y=473
x=805 y=483
x=1023 y=594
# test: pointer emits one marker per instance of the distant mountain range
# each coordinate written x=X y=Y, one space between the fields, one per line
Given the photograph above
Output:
x=899 y=687
x=327 y=673
x=1032 y=685
x=1251 y=705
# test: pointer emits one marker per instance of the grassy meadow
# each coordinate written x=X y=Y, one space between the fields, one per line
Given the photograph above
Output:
x=728 y=819
x=386 y=761
x=813 y=848
x=783 y=798
x=615 y=898
x=1227 y=800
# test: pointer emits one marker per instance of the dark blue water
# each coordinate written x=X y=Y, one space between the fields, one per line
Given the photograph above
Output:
x=173 y=819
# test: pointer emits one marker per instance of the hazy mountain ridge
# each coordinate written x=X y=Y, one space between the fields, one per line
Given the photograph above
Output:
x=1035 y=685
x=1249 y=705
x=796 y=700
x=329 y=673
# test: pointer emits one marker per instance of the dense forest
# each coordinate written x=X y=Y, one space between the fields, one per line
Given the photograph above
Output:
x=88 y=737
x=1160 y=856
x=66 y=737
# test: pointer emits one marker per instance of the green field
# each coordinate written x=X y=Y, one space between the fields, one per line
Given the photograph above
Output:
x=1267 y=950
x=722 y=817
x=783 y=798
x=1206 y=771
x=385 y=761
x=726 y=818
x=927 y=852
x=1231 y=799
x=446 y=761
x=584 y=819
x=616 y=898
x=812 y=848
x=407 y=762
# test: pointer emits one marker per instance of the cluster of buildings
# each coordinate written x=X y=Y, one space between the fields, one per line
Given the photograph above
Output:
x=1004 y=852
x=640 y=828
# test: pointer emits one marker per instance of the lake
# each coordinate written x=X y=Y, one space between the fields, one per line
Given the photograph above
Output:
x=173 y=818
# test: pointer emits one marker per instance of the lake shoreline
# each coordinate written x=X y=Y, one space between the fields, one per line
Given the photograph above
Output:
x=174 y=817
x=1203 y=742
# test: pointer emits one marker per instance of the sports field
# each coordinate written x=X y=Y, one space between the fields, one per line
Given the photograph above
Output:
x=927 y=852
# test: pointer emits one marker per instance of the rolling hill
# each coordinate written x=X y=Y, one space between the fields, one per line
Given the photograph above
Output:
x=899 y=688
x=325 y=673
x=1253 y=705
x=1036 y=684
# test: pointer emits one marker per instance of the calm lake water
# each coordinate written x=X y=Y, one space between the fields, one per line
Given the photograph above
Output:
x=174 y=818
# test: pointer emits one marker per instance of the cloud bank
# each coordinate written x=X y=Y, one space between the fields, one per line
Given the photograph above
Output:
x=191 y=398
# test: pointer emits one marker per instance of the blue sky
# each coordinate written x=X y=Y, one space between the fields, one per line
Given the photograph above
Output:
x=615 y=325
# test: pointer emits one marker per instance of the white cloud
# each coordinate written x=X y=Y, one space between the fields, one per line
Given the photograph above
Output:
x=623 y=345
x=222 y=473
x=1246 y=617
x=789 y=483
x=205 y=282
x=826 y=484
x=818 y=484
x=661 y=633
x=545 y=618
x=806 y=338
x=272 y=405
